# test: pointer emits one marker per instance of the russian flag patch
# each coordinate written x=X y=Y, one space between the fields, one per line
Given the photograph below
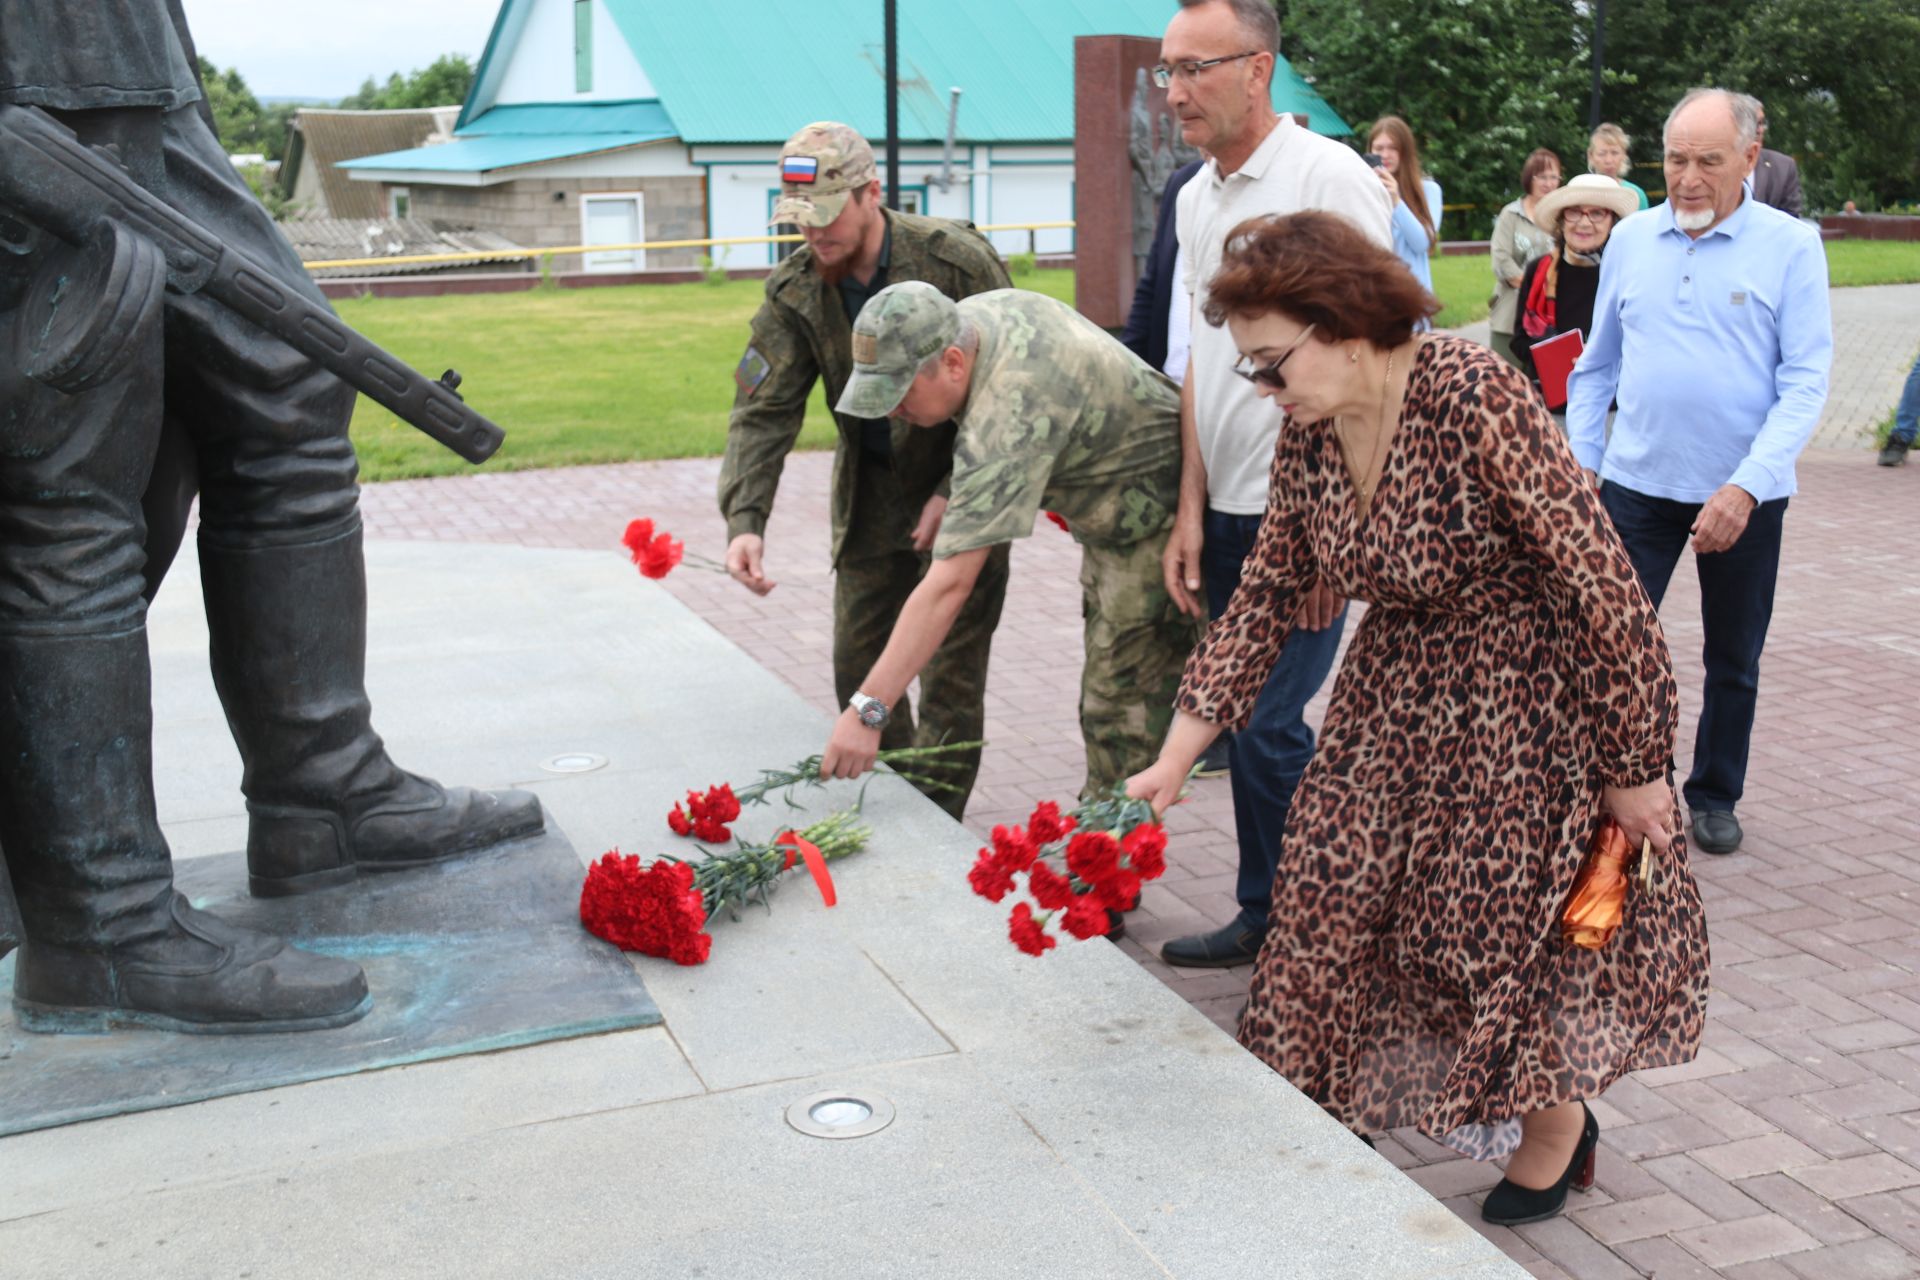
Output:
x=801 y=169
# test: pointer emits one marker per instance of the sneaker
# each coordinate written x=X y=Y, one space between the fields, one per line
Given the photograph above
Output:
x=1213 y=761
x=1895 y=453
x=1716 y=830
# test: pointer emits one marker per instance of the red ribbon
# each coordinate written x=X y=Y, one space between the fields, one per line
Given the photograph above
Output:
x=816 y=863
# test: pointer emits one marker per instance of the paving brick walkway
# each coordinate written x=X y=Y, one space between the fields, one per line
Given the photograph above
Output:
x=1790 y=1150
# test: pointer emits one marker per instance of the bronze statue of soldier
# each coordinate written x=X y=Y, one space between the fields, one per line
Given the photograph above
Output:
x=133 y=378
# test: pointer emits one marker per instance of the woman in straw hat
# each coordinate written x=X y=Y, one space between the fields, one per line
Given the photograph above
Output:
x=1557 y=291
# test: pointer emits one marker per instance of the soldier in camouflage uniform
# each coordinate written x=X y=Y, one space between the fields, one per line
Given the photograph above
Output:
x=1053 y=413
x=889 y=481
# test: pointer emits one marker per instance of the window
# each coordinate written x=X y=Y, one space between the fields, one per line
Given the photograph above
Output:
x=583 y=46
x=399 y=202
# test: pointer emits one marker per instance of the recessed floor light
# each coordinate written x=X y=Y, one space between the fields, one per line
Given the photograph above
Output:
x=574 y=762
x=840 y=1114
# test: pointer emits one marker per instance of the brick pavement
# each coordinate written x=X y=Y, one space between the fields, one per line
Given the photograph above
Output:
x=1790 y=1150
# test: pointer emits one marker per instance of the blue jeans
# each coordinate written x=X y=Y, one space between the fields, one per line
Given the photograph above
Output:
x=1736 y=604
x=1906 y=419
x=1269 y=755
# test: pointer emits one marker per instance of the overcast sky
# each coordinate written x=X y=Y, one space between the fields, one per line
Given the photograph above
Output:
x=325 y=48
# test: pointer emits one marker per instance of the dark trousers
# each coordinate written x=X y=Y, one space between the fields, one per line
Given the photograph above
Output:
x=1736 y=604
x=1269 y=755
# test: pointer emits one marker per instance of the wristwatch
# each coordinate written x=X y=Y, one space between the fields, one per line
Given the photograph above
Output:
x=873 y=713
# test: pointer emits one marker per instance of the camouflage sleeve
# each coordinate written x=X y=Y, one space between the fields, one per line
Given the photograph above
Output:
x=994 y=500
x=771 y=384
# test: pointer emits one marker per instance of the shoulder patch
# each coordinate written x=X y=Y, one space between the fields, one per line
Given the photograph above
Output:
x=751 y=371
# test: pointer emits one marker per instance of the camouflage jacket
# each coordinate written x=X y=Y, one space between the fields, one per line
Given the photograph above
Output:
x=802 y=333
x=1059 y=415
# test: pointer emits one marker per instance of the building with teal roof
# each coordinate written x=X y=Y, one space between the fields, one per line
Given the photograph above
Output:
x=616 y=121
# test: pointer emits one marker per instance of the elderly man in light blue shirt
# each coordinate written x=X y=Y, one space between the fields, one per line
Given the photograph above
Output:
x=1712 y=331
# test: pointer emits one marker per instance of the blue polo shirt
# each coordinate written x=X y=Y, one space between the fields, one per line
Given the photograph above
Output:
x=1717 y=350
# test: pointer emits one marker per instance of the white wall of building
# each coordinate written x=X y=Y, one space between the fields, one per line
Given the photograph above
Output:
x=541 y=67
x=1032 y=184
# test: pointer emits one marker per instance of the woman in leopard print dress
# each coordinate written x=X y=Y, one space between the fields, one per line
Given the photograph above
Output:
x=1509 y=687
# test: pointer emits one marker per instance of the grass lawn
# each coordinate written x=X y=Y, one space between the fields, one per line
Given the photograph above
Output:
x=579 y=376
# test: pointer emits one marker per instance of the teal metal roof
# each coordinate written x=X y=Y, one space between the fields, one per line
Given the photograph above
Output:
x=780 y=64
x=755 y=70
x=529 y=133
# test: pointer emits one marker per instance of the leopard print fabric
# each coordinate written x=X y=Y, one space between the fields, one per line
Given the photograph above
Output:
x=1508 y=667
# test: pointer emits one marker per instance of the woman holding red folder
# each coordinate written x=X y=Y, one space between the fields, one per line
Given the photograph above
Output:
x=1557 y=291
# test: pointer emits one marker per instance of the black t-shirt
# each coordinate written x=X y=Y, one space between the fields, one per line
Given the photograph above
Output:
x=83 y=54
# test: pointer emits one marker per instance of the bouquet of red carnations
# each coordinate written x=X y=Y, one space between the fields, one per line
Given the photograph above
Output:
x=1105 y=850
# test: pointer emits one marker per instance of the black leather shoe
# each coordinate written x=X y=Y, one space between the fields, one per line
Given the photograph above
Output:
x=202 y=974
x=1213 y=761
x=1511 y=1204
x=1894 y=455
x=1715 y=830
x=1116 y=926
x=1236 y=943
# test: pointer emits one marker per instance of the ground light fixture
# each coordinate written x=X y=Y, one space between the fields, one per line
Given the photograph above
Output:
x=574 y=762
x=841 y=1113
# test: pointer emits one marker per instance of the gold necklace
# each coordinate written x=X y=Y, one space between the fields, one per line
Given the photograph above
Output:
x=1368 y=480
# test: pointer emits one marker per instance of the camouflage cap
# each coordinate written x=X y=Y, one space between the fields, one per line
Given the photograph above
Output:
x=899 y=328
x=820 y=167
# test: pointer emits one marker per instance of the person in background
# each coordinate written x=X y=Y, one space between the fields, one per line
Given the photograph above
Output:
x=1713 y=331
x=1906 y=421
x=1776 y=175
x=1557 y=291
x=1508 y=688
x=1607 y=154
x=1517 y=241
x=1416 y=197
x=1159 y=330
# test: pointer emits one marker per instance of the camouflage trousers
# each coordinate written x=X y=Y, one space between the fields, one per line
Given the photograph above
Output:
x=878 y=570
x=1137 y=643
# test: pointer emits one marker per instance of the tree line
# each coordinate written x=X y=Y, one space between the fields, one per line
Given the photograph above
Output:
x=1484 y=82
x=245 y=126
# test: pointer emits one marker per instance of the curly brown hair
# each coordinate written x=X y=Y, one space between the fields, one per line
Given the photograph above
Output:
x=1322 y=270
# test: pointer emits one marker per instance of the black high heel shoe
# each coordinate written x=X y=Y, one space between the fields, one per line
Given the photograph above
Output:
x=1510 y=1204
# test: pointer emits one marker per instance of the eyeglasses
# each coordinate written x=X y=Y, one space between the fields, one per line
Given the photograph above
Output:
x=1592 y=217
x=1187 y=72
x=1268 y=375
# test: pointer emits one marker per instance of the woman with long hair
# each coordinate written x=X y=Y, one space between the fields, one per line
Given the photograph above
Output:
x=1416 y=197
x=1509 y=689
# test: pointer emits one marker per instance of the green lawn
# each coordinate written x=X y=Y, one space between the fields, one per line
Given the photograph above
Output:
x=580 y=376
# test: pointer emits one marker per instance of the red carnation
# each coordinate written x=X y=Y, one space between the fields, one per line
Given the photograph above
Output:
x=677 y=820
x=1119 y=889
x=659 y=556
x=1086 y=917
x=639 y=533
x=721 y=804
x=1050 y=889
x=1146 y=847
x=1012 y=849
x=1093 y=856
x=1026 y=931
x=710 y=831
x=653 y=910
x=1046 y=825
x=989 y=879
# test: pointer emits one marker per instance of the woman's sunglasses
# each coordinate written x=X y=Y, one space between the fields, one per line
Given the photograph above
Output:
x=1269 y=375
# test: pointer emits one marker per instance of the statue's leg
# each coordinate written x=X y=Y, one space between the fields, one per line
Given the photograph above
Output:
x=285 y=583
x=105 y=939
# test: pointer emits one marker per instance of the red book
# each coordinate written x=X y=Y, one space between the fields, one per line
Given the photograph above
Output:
x=1553 y=360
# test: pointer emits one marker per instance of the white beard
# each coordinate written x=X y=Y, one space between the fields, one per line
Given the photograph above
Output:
x=1694 y=221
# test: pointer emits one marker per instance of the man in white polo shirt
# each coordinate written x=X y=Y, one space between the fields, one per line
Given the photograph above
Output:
x=1216 y=62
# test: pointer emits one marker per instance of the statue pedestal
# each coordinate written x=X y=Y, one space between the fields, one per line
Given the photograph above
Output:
x=476 y=954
